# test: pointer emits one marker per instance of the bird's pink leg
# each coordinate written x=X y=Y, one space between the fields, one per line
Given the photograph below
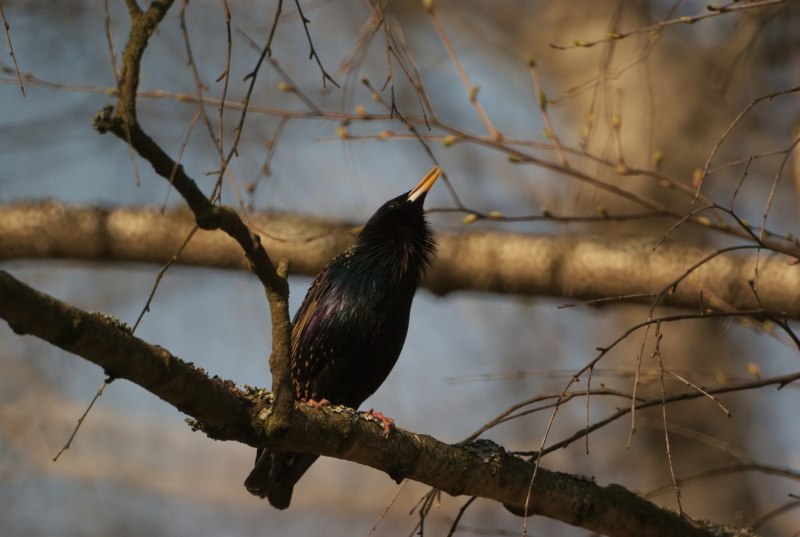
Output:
x=388 y=423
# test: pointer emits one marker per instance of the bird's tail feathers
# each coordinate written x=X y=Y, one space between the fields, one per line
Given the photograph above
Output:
x=275 y=474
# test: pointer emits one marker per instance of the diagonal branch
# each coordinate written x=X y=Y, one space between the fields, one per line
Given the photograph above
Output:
x=122 y=121
x=224 y=412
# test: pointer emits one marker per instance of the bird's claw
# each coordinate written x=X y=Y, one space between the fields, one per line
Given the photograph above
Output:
x=314 y=403
x=388 y=423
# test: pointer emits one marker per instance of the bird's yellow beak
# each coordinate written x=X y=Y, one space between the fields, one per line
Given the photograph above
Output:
x=426 y=184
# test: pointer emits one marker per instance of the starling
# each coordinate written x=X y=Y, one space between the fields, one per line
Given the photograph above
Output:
x=350 y=329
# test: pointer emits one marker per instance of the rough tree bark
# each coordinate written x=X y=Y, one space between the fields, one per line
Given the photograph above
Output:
x=224 y=412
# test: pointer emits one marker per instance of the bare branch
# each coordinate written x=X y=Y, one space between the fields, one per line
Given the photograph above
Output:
x=225 y=413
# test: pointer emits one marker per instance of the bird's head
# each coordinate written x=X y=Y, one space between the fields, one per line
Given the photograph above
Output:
x=399 y=230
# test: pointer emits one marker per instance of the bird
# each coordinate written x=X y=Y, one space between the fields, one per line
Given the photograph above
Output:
x=350 y=329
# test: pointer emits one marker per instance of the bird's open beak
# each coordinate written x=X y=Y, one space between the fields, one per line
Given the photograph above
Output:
x=427 y=182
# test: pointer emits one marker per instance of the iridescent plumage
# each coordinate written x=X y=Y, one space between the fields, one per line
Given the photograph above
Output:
x=350 y=329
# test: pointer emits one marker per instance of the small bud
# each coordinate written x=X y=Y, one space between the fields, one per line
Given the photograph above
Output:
x=361 y=111
x=697 y=177
x=283 y=86
x=495 y=215
x=342 y=132
x=542 y=100
x=657 y=158
x=753 y=370
x=448 y=140
x=470 y=218
x=703 y=221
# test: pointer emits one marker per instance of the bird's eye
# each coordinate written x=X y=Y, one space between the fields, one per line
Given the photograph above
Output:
x=394 y=205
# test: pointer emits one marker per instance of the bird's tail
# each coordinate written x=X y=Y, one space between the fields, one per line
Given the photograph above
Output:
x=275 y=474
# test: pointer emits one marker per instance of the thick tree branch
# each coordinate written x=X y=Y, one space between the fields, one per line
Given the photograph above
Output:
x=573 y=267
x=226 y=413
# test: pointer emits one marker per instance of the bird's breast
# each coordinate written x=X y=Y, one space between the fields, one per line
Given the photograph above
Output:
x=352 y=340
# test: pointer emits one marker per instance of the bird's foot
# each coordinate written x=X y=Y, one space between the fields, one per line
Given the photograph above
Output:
x=388 y=423
x=314 y=403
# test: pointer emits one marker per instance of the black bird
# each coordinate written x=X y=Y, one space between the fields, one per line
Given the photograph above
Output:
x=350 y=329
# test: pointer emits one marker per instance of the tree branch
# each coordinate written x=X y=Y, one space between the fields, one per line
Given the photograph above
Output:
x=224 y=412
x=575 y=267
x=122 y=122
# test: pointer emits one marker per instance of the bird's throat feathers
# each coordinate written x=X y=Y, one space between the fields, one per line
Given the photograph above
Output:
x=403 y=260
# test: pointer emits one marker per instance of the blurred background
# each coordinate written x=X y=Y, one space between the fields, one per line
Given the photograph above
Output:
x=659 y=99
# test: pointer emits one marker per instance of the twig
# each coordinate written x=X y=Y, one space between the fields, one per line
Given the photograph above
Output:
x=7 y=29
x=713 y=10
x=667 y=445
x=97 y=395
x=160 y=276
x=179 y=157
x=773 y=188
x=744 y=466
x=543 y=103
x=112 y=54
x=472 y=90
x=313 y=53
x=385 y=512
x=769 y=515
x=696 y=387
x=199 y=86
x=225 y=77
x=738 y=118
x=461 y=511
x=779 y=381
x=251 y=76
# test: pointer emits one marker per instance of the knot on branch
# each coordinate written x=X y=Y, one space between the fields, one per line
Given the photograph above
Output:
x=105 y=120
x=484 y=448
